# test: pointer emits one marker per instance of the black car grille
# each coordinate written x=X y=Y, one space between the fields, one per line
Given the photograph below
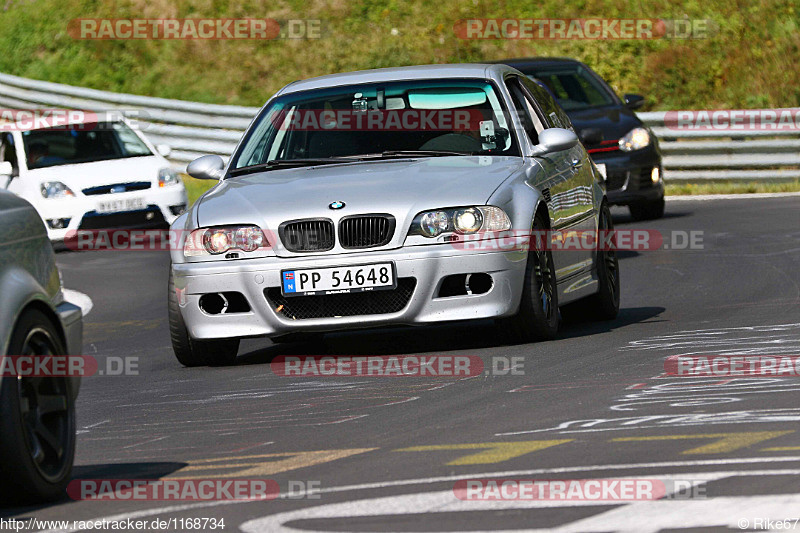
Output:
x=312 y=235
x=336 y=305
x=616 y=179
x=117 y=187
x=365 y=231
x=130 y=219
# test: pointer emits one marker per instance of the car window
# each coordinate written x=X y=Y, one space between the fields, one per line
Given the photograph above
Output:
x=532 y=120
x=574 y=86
x=8 y=152
x=462 y=115
x=554 y=114
x=81 y=143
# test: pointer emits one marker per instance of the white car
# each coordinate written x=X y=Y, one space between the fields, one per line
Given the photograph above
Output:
x=90 y=174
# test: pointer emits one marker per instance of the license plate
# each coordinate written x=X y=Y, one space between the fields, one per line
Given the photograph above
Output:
x=338 y=280
x=124 y=204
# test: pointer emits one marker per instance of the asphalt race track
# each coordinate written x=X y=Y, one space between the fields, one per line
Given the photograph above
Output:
x=383 y=454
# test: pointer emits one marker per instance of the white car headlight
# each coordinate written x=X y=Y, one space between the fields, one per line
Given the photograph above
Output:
x=215 y=241
x=55 y=189
x=462 y=220
x=167 y=176
x=636 y=139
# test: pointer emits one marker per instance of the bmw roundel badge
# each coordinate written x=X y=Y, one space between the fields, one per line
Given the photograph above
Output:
x=336 y=205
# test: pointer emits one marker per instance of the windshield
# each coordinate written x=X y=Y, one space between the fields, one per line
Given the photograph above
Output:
x=81 y=143
x=460 y=116
x=573 y=86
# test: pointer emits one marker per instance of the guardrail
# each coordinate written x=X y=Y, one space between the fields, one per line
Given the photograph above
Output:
x=193 y=129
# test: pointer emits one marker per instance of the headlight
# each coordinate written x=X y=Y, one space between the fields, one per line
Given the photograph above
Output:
x=636 y=139
x=459 y=220
x=215 y=241
x=167 y=176
x=434 y=223
x=55 y=189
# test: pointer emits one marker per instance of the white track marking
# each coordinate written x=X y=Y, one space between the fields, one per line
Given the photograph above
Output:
x=640 y=517
x=79 y=299
x=421 y=481
x=746 y=196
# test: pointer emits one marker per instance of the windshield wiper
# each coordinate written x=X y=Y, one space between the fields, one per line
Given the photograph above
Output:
x=422 y=153
x=291 y=163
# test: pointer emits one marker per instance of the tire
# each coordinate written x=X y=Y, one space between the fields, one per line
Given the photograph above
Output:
x=537 y=318
x=190 y=352
x=604 y=305
x=649 y=210
x=37 y=444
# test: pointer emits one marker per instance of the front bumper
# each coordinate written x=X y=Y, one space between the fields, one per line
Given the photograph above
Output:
x=82 y=211
x=428 y=265
x=628 y=174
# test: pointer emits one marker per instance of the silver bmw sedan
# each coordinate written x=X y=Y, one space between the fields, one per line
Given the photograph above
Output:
x=409 y=196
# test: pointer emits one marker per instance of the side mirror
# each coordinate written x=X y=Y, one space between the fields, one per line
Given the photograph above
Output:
x=6 y=169
x=208 y=167
x=591 y=136
x=164 y=150
x=634 y=101
x=554 y=140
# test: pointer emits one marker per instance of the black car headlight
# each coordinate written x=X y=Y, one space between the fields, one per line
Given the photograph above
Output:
x=636 y=139
x=461 y=220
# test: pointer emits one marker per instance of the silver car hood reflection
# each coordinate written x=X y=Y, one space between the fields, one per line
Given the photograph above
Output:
x=401 y=188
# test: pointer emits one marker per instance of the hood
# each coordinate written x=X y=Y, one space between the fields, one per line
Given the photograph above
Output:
x=401 y=188
x=613 y=121
x=83 y=175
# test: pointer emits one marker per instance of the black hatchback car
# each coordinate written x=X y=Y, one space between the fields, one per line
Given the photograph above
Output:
x=609 y=129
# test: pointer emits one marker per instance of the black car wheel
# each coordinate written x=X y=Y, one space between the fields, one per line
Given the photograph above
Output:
x=190 y=352
x=538 y=316
x=605 y=304
x=648 y=210
x=37 y=428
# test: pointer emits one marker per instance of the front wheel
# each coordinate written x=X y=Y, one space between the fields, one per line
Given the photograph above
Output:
x=537 y=318
x=605 y=304
x=37 y=421
x=190 y=352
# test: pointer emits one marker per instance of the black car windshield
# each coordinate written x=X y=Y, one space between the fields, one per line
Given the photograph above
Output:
x=573 y=86
x=81 y=143
x=390 y=119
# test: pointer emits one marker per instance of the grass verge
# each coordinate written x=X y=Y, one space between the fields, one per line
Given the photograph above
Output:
x=731 y=187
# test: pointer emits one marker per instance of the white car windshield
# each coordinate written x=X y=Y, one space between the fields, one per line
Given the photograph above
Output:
x=81 y=143
x=459 y=116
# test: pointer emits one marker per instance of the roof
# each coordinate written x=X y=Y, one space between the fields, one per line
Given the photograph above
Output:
x=522 y=62
x=421 y=72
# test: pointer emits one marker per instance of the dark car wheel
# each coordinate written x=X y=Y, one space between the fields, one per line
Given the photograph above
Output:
x=648 y=210
x=538 y=317
x=190 y=352
x=605 y=304
x=37 y=427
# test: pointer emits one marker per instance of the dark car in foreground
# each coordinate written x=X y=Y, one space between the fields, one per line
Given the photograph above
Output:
x=37 y=414
x=609 y=129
